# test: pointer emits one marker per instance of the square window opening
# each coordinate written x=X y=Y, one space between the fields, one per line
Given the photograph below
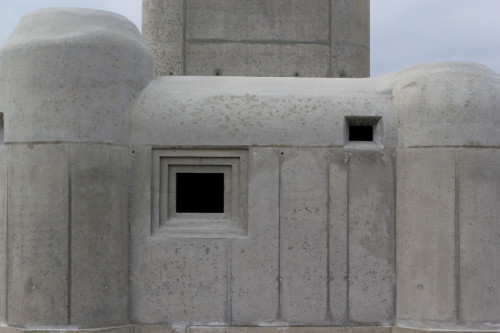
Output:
x=360 y=133
x=199 y=193
x=363 y=129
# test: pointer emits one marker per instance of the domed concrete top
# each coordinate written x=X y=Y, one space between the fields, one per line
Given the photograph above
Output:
x=66 y=23
x=448 y=104
x=71 y=75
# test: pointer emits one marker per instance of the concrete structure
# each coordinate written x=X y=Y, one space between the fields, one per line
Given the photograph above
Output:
x=347 y=205
x=305 y=38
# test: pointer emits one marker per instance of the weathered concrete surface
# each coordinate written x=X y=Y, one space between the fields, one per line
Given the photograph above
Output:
x=350 y=38
x=184 y=111
x=426 y=279
x=173 y=280
x=99 y=235
x=4 y=165
x=254 y=288
x=479 y=235
x=445 y=104
x=371 y=237
x=327 y=38
x=337 y=237
x=257 y=59
x=38 y=212
x=320 y=248
x=82 y=69
x=254 y=20
x=303 y=236
x=163 y=30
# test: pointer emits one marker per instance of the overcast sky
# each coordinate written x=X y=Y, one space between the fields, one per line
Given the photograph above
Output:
x=403 y=32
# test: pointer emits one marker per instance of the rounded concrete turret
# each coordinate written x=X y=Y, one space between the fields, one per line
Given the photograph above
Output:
x=71 y=75
x=68 y=82
x=448 y=104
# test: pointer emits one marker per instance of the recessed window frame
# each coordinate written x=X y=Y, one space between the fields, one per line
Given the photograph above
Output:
x=376 y=124
x=168 y=222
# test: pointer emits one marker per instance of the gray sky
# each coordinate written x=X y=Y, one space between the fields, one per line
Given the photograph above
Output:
x=403 y=32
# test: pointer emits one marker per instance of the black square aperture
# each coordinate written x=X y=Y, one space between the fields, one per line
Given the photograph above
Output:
x=199 y=193
x=360 y=133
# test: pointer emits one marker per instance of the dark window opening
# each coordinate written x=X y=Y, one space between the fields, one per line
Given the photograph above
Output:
x=199 y=193
x=362 y=128
x=360 y=133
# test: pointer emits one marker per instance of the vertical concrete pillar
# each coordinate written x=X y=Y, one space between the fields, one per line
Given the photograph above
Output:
x=72 y=76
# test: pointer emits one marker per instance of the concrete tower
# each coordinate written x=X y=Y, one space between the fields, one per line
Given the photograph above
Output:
x=306 y=38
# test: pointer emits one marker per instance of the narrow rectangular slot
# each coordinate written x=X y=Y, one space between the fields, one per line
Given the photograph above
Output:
x=1 y=128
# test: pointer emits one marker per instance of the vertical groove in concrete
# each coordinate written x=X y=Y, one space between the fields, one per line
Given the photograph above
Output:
x=328 y=318
x=184 y=24
x=70 y=277
x=395 y=261
x=229 y=289
x=7 y=237
x=457 y=236
x=130 y=221
x=330 y=42
x=348 y=276
x=280 y=312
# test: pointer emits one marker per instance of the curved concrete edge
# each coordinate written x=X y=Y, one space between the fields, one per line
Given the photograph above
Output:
x=442 y=104
x=244 y=111
x=69 y=22
x=448 y=104
x=72 y=75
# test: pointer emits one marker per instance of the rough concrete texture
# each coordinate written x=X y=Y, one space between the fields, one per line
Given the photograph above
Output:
x=68 y=80
x=174 y=280
x=214 y=59
x=350 y=38
x=335 y=227
x=330 y=38
x=426 y=270
x=479 y=234
x=99 y=235
x=255 y=260
x=82 y=72
x=258 y=111
x=337 y=237
x=371 y=237
x=303 y=236
x=4 y=164
x=445 y=105
x=38 y=214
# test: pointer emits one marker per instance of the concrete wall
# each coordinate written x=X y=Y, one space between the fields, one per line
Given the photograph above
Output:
x=320 y=38
x=401 y=231
x=447 y=225
x=68 y=78
x=290 y=268
x=352 y=222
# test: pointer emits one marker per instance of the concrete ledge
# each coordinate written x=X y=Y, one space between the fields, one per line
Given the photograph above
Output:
x=236 y=329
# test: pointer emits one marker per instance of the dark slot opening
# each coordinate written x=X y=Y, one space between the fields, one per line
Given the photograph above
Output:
x=1 y=128
x=200 y=193
x=360 y=133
